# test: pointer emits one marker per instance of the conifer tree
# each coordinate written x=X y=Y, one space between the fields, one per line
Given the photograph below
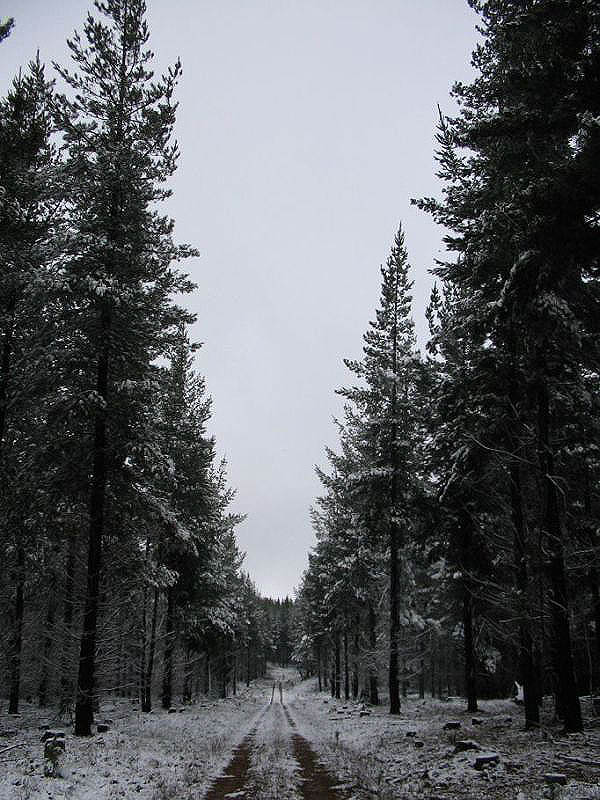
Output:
x=386 y=400
x=521 y=198
x=117 y=129
x=30 y=239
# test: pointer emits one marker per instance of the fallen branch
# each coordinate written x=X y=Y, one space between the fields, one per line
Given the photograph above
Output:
x=577 y=760
x=12 y=747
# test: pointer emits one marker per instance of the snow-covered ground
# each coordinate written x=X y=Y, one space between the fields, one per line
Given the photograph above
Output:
x=156 y=756
x=412 y=756
x=178 y=756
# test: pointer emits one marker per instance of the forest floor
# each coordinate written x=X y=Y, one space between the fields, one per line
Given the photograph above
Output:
x=309 y=747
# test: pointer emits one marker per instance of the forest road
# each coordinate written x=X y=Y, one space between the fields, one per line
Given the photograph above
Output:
x=308 y=778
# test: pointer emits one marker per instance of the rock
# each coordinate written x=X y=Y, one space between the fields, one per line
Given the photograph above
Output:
x=508 y=720
x=364 y=713
x=486 y=760
x=466 y=744
x=476 y=721
x=419 y=744
x=102 y=727
x=411 y=734
x=452 y=726
x=52 y=734
x=172 y=710
x=183 y=708
x=555 y=777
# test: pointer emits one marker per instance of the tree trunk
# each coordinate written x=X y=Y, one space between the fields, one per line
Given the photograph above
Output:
x=5 y=363
x=356 y=668
x=167 y=681
x=47 y=649
x=149 y=667
x=373 y=686
x=432 y=657
x=66 y=681
x=84 y=707
x=346 y=668
x=337 y=667
x=319 y=667
x=568 y=704
x=17 y=644
x=422 y=667
x=393 y=683
x=530 y=692
x=466 y=539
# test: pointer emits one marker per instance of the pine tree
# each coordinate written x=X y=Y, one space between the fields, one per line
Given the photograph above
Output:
x=6 y=27
x=117 y=130
x=30 y=238
x=521 y=198
x=386 y=400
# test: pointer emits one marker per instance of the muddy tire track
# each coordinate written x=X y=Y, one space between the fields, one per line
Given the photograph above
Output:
x=316 y=782
x=235 y=779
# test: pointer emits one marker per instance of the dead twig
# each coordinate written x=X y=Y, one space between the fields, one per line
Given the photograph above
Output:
x=576 y=760
x=12 y=747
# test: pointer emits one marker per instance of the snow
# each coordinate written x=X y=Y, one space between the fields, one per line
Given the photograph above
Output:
x=161 y=756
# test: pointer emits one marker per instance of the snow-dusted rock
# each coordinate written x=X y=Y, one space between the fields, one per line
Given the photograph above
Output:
x=486 y=760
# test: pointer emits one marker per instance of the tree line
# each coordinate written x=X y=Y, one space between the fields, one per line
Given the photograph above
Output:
x=121 y=570
x=457 y=531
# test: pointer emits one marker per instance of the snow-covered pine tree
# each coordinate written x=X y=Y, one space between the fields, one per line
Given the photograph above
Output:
x=5 y=28
x=386 y=398
x=522 y=204
x=117 y=128
x=30 y=240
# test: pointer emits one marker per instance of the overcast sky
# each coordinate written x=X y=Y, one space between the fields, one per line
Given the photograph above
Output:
x=305 y=127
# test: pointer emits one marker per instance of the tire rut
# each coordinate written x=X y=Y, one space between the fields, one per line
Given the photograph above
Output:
x=316 y=782
x=234 y=780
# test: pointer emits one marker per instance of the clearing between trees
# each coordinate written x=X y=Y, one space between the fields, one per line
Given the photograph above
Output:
x=308 y=747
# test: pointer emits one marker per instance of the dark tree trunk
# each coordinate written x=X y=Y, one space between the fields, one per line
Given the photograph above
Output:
x=346 y=668
x=47 y=649
x=373 y=687
x=248 y=665
x=470 y=671
x=568 y=704
x=84 y=706
x=393 y=683
x=466 y=539
x=17 y=643
x=530 y=692
x=207 y=686
x=167 y=681
x=66 y=681
x=337 y=667
x=356 y=669
x=149 y=666
x=432 y=658
x=422 y=666
x=5 y=363
x=319 y=667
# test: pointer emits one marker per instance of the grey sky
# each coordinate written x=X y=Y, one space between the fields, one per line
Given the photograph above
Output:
x=305 y=128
